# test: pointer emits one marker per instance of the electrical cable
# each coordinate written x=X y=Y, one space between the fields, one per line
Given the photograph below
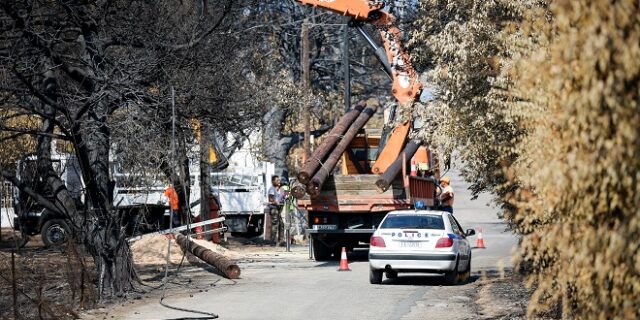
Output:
x=208 y=315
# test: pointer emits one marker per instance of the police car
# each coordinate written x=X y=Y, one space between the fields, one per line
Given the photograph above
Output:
x=420 y=241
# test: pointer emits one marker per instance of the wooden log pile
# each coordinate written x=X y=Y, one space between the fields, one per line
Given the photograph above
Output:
x=324 y=159
x=315 y=185
x=320 y=154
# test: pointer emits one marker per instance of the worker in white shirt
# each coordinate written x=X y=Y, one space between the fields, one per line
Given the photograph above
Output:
x=446 y=196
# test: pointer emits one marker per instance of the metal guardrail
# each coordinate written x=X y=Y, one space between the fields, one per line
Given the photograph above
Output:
x=182 y=228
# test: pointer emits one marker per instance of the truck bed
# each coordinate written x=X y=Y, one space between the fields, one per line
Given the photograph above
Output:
x=356 y=193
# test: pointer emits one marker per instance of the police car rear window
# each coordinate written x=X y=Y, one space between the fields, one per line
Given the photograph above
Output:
x=413 y=222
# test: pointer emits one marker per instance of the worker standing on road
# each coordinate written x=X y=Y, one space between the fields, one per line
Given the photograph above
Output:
x=446 y=196
x=276 y=197
x=170 y=197
x=286 y=212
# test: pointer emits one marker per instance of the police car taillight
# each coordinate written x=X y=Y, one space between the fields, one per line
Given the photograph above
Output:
x=444 y=243
x=377 y=242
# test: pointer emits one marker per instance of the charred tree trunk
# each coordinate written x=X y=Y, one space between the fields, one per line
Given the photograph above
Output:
x=55 y=188
x=274 y=146
x=105 y=236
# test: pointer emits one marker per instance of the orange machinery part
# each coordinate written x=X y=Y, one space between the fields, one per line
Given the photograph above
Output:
x=406 y=85
x=358 y=9
x=392 y=148
x=421 y=156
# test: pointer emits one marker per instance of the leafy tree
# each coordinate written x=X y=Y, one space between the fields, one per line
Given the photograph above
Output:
x=541 y=100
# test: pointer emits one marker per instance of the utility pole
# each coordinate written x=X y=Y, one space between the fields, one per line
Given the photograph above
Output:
x=346 y=66
x=304 y=60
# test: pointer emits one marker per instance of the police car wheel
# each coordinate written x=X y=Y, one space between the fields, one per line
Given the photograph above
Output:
x=451 y=277
x=375 y=276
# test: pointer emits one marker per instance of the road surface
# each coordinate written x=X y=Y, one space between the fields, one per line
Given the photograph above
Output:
x=287 y=285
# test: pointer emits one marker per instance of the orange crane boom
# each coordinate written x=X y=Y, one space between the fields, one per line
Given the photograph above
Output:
x=406 y=86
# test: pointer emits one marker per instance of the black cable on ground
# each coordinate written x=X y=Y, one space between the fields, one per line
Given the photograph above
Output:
x=208 y=315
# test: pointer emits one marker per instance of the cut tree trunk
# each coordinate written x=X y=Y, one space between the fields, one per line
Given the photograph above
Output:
x=320 y=154
x=315 y=185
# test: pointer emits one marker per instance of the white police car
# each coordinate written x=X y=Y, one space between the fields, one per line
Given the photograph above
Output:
x=420 y=241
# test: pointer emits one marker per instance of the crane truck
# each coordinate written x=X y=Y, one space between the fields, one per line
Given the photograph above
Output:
x=379 y=172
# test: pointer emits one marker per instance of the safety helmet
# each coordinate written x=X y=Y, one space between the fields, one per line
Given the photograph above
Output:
x=445 y=179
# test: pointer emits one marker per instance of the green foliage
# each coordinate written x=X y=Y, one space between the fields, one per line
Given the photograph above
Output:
x=462 y=41
x=543 y=100
x=582 y=158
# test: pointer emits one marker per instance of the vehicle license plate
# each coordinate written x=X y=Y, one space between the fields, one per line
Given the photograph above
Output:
x=410 y=244
x=325 y=227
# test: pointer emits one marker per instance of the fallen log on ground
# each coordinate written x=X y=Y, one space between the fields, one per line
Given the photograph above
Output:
x=315 y=185
x=388 y=176
x=228 y=268
x=313 y=163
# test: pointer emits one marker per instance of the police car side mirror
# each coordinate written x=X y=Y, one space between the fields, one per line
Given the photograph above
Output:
x=470 y=232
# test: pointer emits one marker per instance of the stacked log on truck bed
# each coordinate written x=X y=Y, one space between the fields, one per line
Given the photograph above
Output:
x=312 y=164
x=324 y=159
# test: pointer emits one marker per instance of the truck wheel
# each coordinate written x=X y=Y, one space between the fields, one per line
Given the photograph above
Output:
x=55 y=232
x=375 y=276
x=320 y=251
x=337 y=252
x=451 y=277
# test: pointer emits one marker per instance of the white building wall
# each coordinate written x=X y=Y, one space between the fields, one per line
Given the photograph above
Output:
x=6 y=204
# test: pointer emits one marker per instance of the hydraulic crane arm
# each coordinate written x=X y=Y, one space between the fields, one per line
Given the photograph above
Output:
x=406 y=86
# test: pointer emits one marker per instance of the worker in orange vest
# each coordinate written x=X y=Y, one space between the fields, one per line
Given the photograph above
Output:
x=170 y=197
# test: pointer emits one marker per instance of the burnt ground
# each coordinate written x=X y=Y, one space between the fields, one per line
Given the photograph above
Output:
x=501 y=297
x=504 y=295
x=48 y=282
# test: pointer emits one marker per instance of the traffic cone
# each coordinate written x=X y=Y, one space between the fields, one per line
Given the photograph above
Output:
x=480 y=240
x=414 y=170
x=344 y=265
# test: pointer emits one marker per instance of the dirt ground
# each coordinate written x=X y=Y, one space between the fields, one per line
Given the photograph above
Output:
x=49 y=282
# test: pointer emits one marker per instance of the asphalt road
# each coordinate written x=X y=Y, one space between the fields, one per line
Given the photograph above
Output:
x=281 y=285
